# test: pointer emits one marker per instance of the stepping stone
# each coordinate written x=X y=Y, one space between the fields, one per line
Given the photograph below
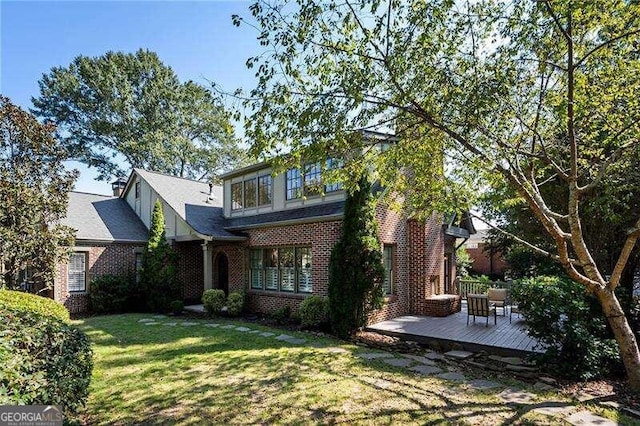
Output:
x=159 y=316
x=228 y=326
x=434 y=356
x=267 y=334
x=481 y=384
x=397 y=362
x=146 y=320
x=583 y=396
x=515 y=396
x=295 y=341
x=543 y=387
x=554 y=409
x=426 y=370
x=587 y=418
x=420 y=359
x=512 y=360
x=170 y=324
x=452 y=377
x=459 y=354
x=337 y=350
x=243 y=329
x=520 y=368
x=212 y=325
x=188 y=324
x=284 y=337
x=316 y=344
x=374 y=355
x=152 y=323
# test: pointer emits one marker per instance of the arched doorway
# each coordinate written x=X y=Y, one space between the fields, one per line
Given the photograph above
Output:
x=222 y=272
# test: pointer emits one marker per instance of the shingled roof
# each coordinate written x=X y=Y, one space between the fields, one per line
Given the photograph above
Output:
x=103 y=218
x=315 y=212
x=192 y=202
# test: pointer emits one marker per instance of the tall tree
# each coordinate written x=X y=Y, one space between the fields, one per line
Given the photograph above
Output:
x=132 y=107
x=355 y=268
x=34 y=187
x=517 y=91
x=159 y=273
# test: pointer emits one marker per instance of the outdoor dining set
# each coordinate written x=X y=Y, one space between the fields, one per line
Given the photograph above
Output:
x=487 y=305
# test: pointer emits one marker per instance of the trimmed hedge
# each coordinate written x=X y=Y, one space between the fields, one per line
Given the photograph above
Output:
x=110 y=294
x=235 y=303
x=213 y=301
x=43 y=360
x=314 y=311
x=26 y=302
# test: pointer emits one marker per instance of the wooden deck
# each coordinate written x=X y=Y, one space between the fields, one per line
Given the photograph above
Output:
x=507 y=339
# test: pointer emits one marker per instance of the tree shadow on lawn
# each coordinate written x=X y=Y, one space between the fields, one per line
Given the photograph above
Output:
x=223 y=375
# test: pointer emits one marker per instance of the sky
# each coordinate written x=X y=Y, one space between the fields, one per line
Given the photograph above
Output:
x=195 y=38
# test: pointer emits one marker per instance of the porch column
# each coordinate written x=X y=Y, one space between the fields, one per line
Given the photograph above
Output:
x=207 y=252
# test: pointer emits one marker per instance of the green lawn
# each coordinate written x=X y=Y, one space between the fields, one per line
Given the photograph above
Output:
x=204 y=375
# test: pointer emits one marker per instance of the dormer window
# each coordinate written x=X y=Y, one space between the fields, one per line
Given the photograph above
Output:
x=251 y=192
x=312 y=179
x=294 y=184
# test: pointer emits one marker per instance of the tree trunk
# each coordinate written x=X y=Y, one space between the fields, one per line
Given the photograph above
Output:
x=623 y=334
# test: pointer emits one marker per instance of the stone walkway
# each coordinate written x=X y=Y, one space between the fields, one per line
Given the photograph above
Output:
x=430 y=363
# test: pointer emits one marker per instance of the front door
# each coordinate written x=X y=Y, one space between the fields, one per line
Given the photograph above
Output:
x=222 y=263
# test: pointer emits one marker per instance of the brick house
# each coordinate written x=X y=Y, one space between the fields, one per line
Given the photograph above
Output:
x=110 y=239
x=486 y=260
x=271 y=236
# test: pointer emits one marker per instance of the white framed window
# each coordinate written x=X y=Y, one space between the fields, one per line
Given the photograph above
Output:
x=283 y=269
x=387 y=259
x=77 y=272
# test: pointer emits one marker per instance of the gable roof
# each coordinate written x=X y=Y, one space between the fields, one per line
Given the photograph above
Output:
x=191 y=201
x=103 y=218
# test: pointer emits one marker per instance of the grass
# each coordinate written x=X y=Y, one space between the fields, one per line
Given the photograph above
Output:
x=202 y=375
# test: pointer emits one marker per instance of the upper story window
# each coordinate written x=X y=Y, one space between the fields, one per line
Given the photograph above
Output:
x=236 y=196
x=264 y=190
x=312 y=179
x=251 y=192
x=294 y=184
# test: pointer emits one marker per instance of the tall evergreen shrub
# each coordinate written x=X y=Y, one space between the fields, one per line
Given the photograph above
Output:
x=356 y=273
x=159 y=274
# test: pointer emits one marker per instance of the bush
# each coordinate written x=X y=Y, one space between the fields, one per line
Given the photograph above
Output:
x=281 y=315
x=313 y=311
x=235 y=303
x=570 y=322
x=26 y=302
x=110 y=294
x=177 y=306
x=213 y=301
x=43 y=361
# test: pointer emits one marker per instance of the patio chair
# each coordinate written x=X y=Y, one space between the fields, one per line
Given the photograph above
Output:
x=514 y=309
x=478 y=305
x=498 y=296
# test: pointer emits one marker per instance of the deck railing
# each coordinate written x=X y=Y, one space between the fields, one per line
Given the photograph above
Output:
x=473 y=286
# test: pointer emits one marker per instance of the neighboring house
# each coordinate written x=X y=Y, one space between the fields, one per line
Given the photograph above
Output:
x=487 y=260
x=271 y=236
x=110 y=239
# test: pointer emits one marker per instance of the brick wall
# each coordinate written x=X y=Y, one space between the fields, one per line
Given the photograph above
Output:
x=103 y=259
x=484 y=264
x=190 y=269
x=426 y=244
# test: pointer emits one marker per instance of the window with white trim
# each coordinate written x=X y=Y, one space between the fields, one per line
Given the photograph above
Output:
x=294 y=184
x=387 y=259
x=284 y=269
x=77 y=272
